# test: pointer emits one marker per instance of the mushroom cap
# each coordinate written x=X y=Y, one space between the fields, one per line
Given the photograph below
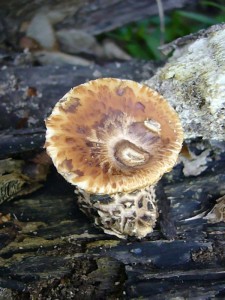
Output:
x=112 y=135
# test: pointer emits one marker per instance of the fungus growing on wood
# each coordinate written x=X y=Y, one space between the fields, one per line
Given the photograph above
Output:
x=114 y=137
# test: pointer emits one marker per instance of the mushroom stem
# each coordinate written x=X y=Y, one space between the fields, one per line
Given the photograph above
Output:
x=122 y=214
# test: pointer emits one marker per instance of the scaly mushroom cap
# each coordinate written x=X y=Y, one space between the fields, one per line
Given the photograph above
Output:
x=111 y=135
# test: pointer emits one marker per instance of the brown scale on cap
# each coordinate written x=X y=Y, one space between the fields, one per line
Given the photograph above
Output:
x=111 y=135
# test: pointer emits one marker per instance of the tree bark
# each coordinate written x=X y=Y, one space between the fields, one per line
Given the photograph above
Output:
x=193 y=82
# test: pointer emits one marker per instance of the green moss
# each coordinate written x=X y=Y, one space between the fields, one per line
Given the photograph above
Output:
x=103 y=243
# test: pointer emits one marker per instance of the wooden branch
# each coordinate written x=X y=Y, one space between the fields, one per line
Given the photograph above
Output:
x=21 y=141
x=102 y=16
x=117 y=13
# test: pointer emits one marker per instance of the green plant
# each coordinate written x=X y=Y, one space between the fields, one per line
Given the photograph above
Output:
x=142 y=39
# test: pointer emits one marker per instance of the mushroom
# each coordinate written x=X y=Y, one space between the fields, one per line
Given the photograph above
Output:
x=114 y=139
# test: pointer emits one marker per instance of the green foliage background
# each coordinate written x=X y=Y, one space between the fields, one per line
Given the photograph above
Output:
x=142 y=39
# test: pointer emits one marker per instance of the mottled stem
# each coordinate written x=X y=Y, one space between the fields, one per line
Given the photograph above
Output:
x=122 y=214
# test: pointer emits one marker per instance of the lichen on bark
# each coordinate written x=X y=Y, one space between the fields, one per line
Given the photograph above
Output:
x=193 y=81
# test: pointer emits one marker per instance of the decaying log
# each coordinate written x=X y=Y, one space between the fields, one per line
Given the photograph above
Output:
x=21 y=141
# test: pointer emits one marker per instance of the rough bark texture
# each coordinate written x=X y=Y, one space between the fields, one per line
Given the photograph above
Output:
x=193 y=81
